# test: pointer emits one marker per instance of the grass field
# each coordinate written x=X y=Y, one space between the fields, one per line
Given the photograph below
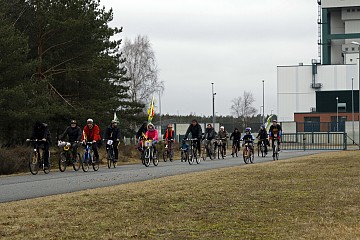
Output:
x=314 y=197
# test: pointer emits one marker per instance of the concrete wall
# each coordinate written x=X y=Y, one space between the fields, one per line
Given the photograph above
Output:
x=294 y=92
x=339 y=3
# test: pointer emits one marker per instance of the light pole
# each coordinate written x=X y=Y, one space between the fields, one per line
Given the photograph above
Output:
x=337 y=114
x=260 y=116
x=213 y=103
x=356 y=43
x=263 y=105
x=352 y=107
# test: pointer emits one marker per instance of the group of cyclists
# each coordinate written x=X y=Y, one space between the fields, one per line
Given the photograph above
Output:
x=76 y=136
x=210 y=138
x=213 y=140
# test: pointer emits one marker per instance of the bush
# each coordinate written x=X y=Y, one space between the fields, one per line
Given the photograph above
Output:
x=13 y=160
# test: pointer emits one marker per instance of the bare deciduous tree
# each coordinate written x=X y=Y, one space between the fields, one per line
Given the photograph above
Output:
x=141 y=69
x=242 y=107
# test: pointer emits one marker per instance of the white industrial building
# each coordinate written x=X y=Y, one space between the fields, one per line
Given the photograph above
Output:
x=299 y=87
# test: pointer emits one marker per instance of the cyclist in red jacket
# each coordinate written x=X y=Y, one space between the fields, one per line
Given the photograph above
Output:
x=91 y=133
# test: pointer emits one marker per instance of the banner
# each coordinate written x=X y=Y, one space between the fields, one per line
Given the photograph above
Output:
x=268 y=123
x=116 y=118
x=151 y=110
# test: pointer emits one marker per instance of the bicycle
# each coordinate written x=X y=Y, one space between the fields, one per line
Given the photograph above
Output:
x=66 y=157
x=169 y=150
x=261 y=148
x=184 y=152
x=275 y=147
x=88 y=158
x=36 y=160
x=235 y=148
x=248 y=154
x=206 y=151
x=193 y=151
x=150 y=154
x=110 y=154
x=220 y=148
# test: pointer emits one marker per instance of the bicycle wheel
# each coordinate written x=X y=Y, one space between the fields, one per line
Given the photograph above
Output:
x=34 y=163
x=236 y=151
x=277 y=152
x=222 y=153
x=147 y=157
x=251 y=158
x=77 y=162
x=85 y=163
x=197 y=158
x=62 y=162
x=165 y=155
x=204 y=153
x=155 y=158
x=171 y=155
x=114 y=163
x=95 y=163
x=246 y=157
x=46 y=169
x=191 y=156
x=109 y=157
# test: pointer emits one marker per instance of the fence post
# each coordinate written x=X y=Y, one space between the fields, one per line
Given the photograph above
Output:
x=304 y=139
x=345 y=141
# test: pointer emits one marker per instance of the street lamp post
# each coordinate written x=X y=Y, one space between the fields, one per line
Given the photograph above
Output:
x=213 y=103
x=352 y=108
x=261 y=116
x=263 y=105
x=337 y=114
x=356 y=43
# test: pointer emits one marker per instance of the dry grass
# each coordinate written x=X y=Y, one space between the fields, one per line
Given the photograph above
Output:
x=315 y=197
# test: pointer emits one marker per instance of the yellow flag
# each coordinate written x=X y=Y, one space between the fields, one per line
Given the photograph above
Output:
x=151 y=110
x=268 y=123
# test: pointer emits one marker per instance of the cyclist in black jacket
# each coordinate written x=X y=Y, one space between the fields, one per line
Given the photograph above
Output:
x=235 y=136
x=74 y=134
x=41 y=132
x=263 y=136
x=196 y=132
x=113 y=133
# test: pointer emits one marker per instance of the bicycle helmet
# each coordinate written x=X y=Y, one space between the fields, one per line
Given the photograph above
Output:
x=73 y=121
x=248 y=129
x=262 y=126
x=113 y=121
x=150 y=125
x=89 y=121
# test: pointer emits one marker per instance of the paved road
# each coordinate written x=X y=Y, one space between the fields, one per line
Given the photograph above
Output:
x=27 y=186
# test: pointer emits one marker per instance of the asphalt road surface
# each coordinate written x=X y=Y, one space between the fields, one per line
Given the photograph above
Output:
x=27 y=186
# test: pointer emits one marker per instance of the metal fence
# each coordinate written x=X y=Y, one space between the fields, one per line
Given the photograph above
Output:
x=314 y=141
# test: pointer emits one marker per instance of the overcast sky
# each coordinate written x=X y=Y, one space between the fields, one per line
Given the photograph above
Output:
x=233 y=43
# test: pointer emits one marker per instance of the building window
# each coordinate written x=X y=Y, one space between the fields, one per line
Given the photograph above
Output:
x=353 y=49
x=348 y=10
x=350 y=59
x=346 y=49
x=353 y=10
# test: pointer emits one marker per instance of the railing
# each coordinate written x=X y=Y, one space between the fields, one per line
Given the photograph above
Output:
x=314 y=141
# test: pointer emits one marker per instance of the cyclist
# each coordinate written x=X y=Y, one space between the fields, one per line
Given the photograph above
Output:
x=275 y=130
x=169 y=136
x=74 y=134
x=113 y=133
x=196 y=132
x=209 y=138
x=152 y=134
x=223 y=134
x=140 y=135
x=91 y=133
x=235 y=136
x=41 y=132
x=249 y=139
x=263 y=137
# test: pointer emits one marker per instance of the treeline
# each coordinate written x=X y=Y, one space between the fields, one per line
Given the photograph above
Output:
x=58 y=61
x=229 y=122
